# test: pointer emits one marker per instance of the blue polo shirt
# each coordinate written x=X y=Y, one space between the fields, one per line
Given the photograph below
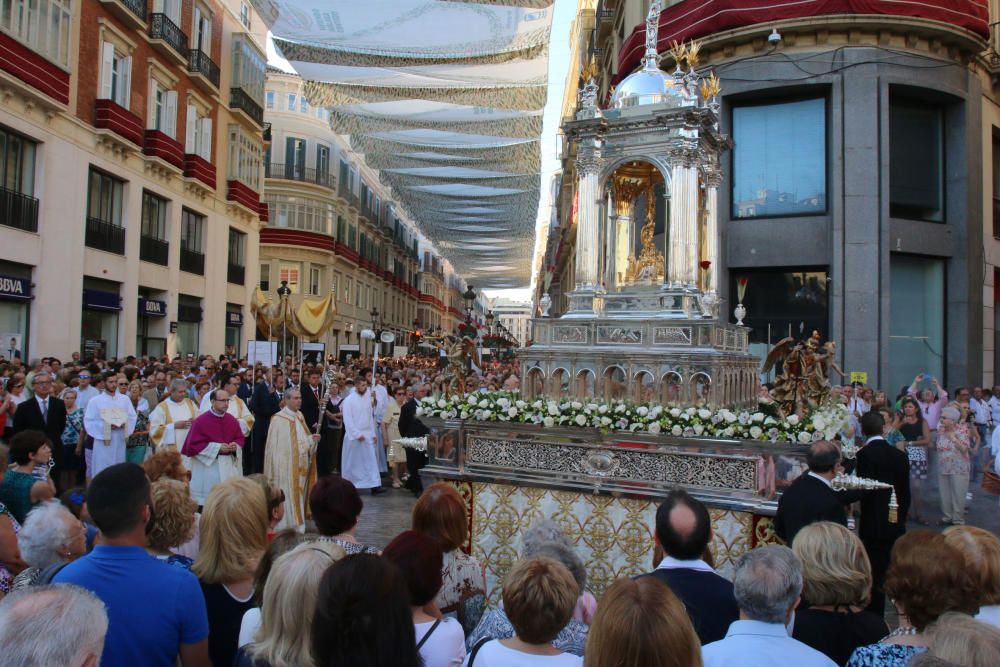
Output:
x=153 y=607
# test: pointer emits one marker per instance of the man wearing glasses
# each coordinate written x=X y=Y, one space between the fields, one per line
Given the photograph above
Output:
x=46 y=413
x=109 y=419
x=84 y=390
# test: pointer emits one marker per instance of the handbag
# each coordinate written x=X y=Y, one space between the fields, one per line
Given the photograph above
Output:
x=991 y=482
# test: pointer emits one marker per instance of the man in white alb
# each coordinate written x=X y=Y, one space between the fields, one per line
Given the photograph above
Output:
x=290 y=459
x=170 y=420
x=359 y=463
x=109 y=420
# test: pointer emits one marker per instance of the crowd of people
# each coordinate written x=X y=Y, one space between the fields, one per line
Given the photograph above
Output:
x=215 y=522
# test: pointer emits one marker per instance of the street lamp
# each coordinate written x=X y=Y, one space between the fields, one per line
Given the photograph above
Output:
x=489 y=321
x=470 y=298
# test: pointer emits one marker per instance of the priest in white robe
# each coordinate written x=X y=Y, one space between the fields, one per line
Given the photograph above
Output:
x=237 y=408
x=214 y=447
x=109 y=420
x=359 y=462
x=290 y=460
x=171 y=419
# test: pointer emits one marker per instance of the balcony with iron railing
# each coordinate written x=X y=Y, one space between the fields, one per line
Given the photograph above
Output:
x=104 y=235
x=293 y=172
x=240 y=100
x=203 y=70
x=154 y=250
x=167 y=38
x=131 y=12
x=267 y=133
x=18 y=210
x=235 y=273
x=192 y=261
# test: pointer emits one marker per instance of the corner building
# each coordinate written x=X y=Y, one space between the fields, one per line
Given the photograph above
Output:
x=855 y=196
x=132 y=142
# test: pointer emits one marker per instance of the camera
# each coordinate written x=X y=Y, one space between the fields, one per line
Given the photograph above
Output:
x=774 y=38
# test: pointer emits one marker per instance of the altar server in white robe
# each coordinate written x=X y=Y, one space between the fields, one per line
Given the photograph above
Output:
x=236 y=407
x=290 y=460
x=109 y=420
x=171 y=419
x=359 y=463
x=214 y=447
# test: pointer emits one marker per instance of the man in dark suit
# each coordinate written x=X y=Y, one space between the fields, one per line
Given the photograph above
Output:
x=244 y=391
x=312 y=399
x=880 y=460
x=810 y=498
x=683 y=531
x=46 y=413
x=266 y=401
x=411 y=427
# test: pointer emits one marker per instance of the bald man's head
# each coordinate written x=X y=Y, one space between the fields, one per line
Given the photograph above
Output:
x=823 y=456
x=683 y=526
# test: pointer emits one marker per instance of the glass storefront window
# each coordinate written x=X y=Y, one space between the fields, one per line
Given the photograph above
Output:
x=917 y=320
x=187 y=337
x=916 y=160
x=779 y=159
x=99 y=333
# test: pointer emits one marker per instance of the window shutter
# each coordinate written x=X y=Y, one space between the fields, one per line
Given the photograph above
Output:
x=170 y=114
x=107 y=63
x=206 y=138
x=191 y=130
x=158 y=6
x=196 y=29
x=126 y=80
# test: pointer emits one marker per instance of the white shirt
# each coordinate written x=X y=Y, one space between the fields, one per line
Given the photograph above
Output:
x=83 y=396
x=821 y=478
x=980 y=410
x=43 y=404
x=990 y=614
x=249 y=626
x=495 y=654
x=671 y=563
x=758 y=644
x=444 y=648
x=994 y=404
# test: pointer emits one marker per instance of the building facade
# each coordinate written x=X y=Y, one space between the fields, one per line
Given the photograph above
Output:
x=332 y=226
x=853 y=202
x=132 y=140
x=515 y=316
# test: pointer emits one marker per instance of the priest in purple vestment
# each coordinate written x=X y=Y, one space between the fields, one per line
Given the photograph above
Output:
x=213 y=449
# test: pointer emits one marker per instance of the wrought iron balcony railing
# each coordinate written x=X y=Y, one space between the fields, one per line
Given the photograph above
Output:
x=161 y=27
x=241 y=100
x=293 y=172
x=18 y=210
x=153 y=250
x=137 y=7
x=192 y=262
x=200 y=63
x=104 y=235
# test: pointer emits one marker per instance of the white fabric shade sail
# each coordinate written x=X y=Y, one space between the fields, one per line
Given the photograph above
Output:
x=444 y=98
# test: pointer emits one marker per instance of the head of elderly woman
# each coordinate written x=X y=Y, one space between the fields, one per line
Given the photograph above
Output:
x=545 y=539
x=51 y=535
x=950 y=416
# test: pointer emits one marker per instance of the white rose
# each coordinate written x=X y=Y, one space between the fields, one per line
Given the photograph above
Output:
x=549 y=422
x=512 y=412
x=654 y=427
x=729 y=432
x=758 y=417
x=698 y=429
x=704 y=414
x=605 y=421
x=675 y=412
x=603 y=409
x=484 y=403
x=442 y=403
x=805 y=437
x=819 y=423
x=691 y=411
x=576 y=405
x=642 y=411
x=620 y=407
x=729 y=417
x=793 y=420
x=581 y=420
x=677 y=430
x=756 y=432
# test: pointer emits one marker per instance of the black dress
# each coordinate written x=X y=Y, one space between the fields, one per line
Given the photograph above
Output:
x=225 y=614
x=837 y=633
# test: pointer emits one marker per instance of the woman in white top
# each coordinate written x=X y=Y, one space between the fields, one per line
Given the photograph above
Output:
x=440 y=641
x=981 y=552
x=539 y=596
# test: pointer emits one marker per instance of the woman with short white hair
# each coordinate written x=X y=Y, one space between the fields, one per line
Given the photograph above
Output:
x=50 y=537
x=953 y=445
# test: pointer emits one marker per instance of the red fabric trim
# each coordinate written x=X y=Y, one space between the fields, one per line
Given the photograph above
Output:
x=296 y=237
x=109 y=116
x=158 y=144
x=241 y=194
x=693 y=19
x=21 y=62
x=198 y=167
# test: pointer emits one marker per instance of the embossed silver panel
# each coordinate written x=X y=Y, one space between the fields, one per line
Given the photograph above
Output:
x=623 y=335
x=569 y=335
x=672 y=336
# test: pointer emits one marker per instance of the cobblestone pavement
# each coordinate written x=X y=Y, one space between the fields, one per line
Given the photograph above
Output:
x=384 y=517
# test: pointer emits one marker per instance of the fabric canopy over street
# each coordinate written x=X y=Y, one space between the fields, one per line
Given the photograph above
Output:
x=444 y=98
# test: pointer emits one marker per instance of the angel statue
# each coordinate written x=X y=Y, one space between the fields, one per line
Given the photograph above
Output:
x=462 y=354
x=803 y=383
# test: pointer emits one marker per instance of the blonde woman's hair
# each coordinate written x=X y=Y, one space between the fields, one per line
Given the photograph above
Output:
x=981 y=551
x=175 y=509
x=641 y=622
x=233 y=531
x=284 y=638
x=835 y=567
x=962 y=640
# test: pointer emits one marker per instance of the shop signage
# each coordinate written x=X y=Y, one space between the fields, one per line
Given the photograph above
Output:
x=234 y=319
x=99 y=300
x=859 y=376
x=14 y=288
x=152 y=307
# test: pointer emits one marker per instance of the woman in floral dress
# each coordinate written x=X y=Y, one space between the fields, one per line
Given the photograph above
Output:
x=953 y=445
x=72 y=447
x=138 y=443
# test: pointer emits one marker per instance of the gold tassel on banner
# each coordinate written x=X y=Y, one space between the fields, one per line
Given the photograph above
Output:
x=893 y=508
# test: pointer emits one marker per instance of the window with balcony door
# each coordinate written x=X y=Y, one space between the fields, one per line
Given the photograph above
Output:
x=170 y=8
x=303 y=104
x=295 y=158
x=17 y=162
x=44 y=26
x=348 y=290
x=323 y=164
x=246 y=156
x=265 y=277
x=104 y=198
x=237 y=257
x=245 y=15
x=916 y=159
x=201 y=26
x=249 y=69
x=291 y=102
x=198 y=138
x=289 y=273
x=192 y=242
x=162 y=108
x=116 y=75
x=314 y=280
x=153 y=246
x=269 y=99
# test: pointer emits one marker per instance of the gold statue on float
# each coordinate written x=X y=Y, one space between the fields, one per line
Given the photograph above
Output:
x=804 y=382
x=648 y=266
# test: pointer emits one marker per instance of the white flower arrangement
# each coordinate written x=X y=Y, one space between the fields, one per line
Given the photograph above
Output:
x=822 y=423
x=420 y=444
